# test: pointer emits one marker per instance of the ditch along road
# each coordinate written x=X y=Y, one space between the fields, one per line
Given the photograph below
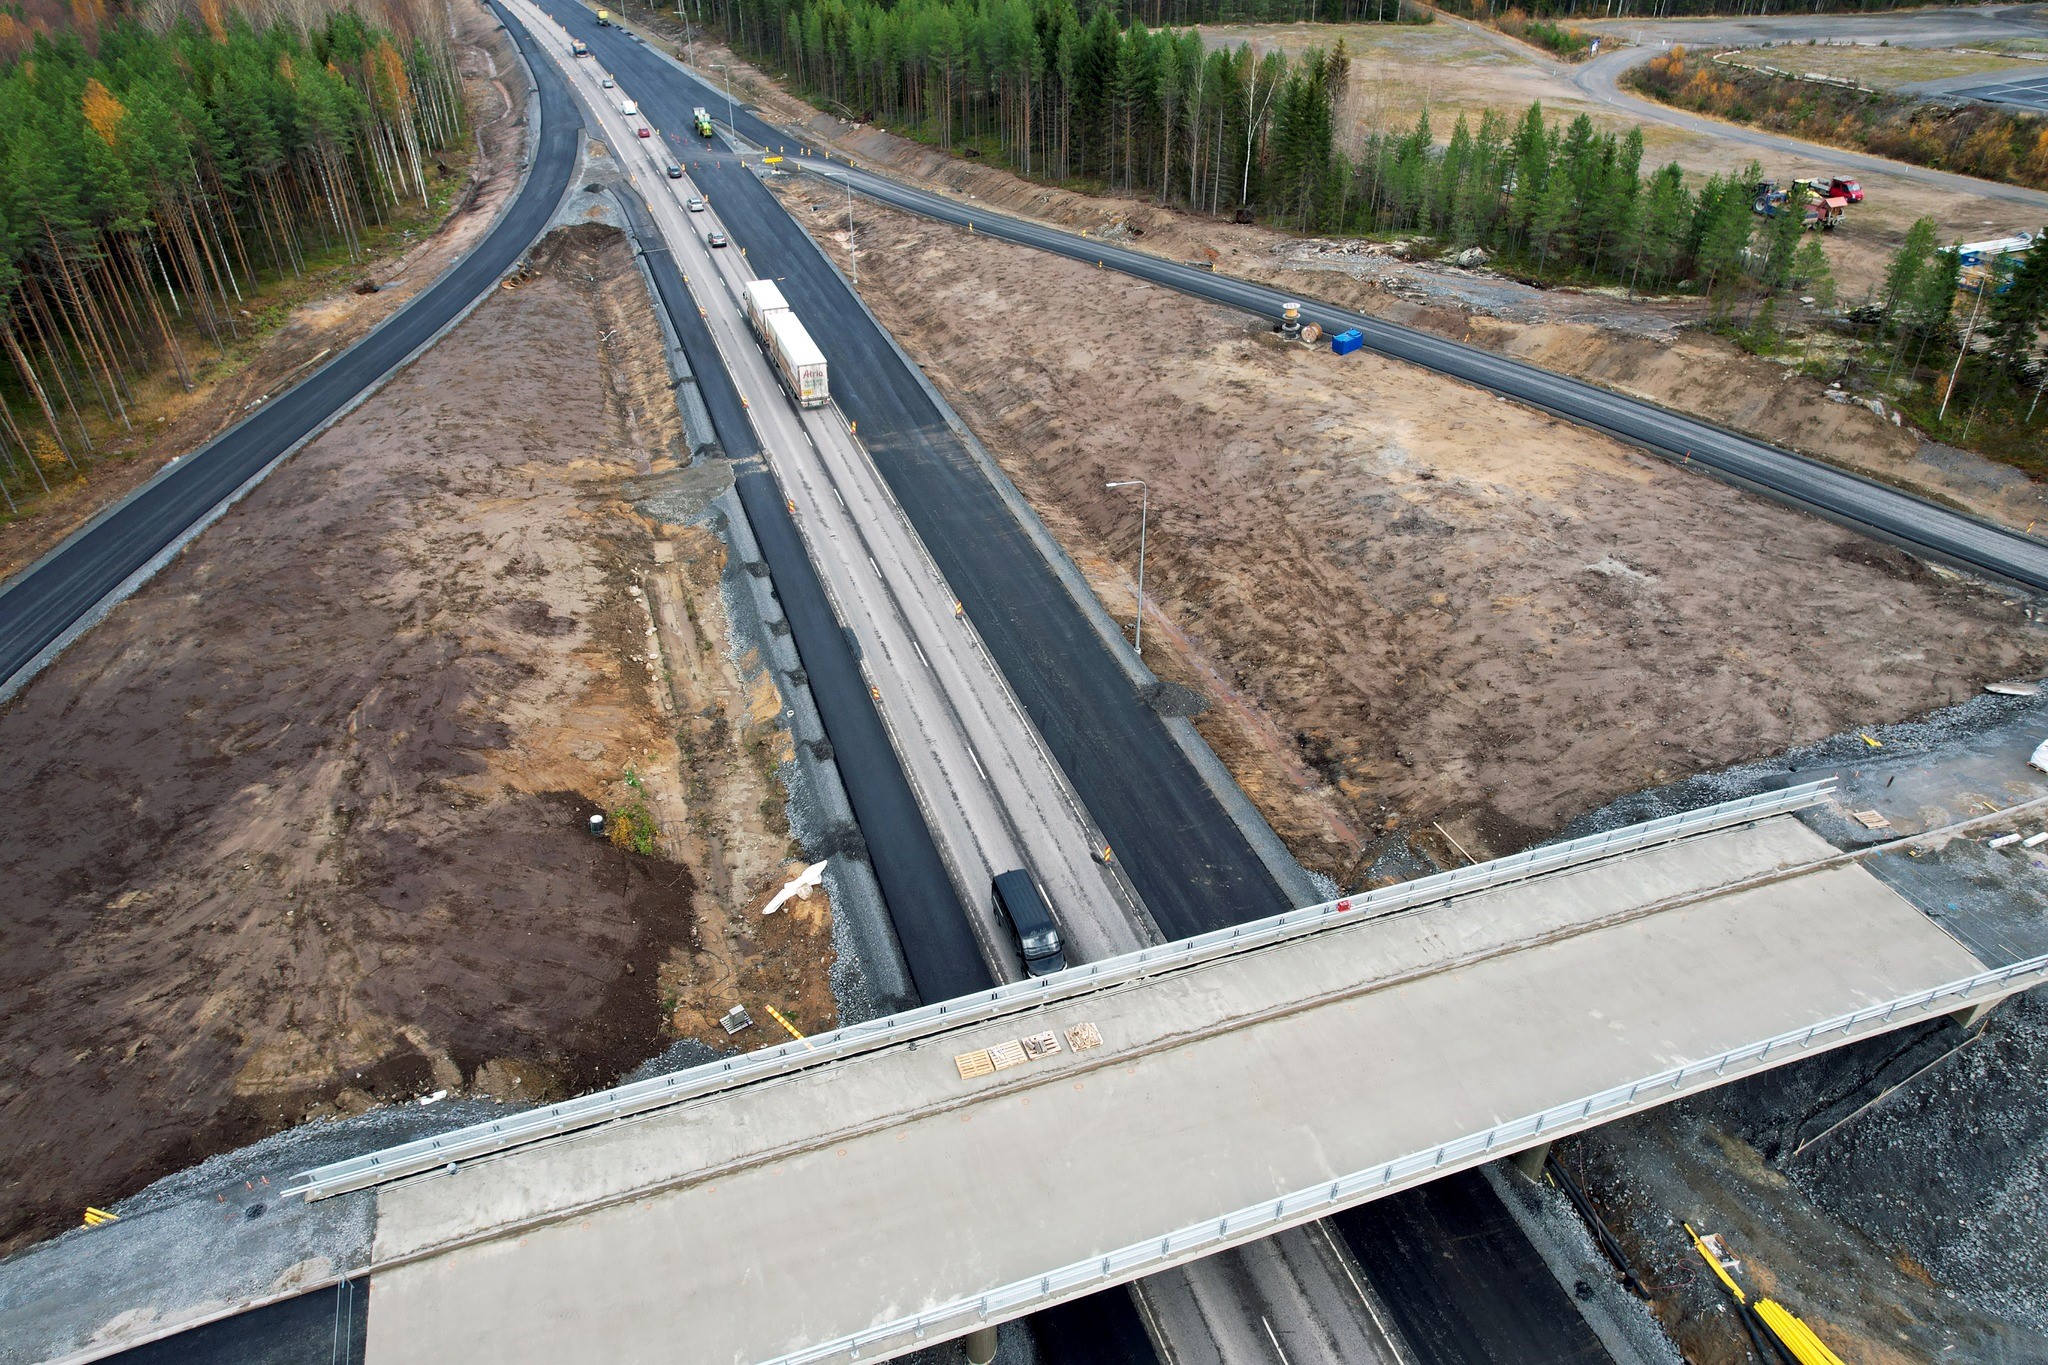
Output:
x=59 y=596
x=1601 y=77
x=1304 y=1296
x=1850 y=500
x=991 y=795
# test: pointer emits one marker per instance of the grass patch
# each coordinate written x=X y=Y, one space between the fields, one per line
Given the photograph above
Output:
x=632 y=827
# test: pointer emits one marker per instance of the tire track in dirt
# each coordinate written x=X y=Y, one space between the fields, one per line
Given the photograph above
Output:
x=300 y=827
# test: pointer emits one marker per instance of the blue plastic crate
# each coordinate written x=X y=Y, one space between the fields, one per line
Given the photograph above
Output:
x=1345 y=342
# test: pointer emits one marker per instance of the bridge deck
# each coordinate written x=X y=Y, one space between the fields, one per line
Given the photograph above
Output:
x=759 y=1222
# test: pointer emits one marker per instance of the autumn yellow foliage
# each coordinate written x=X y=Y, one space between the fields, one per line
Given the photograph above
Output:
x=103 y=113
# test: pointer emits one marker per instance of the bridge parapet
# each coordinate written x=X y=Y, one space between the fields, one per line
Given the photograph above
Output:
x=642 y=1097
x=970 y=1175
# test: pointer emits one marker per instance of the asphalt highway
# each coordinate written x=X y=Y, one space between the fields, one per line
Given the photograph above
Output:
x=941 y=952
x=1846 y=498
x=990 y=795
x=68 y=585
x=1192 y=866
x=1940 y=26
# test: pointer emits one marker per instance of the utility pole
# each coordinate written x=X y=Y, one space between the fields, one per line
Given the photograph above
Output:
x=852 y=256
x=1144 y=510
x=728 y=93
x=1983 y=284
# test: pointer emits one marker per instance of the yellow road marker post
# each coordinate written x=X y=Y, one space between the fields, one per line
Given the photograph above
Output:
x=778 y=1016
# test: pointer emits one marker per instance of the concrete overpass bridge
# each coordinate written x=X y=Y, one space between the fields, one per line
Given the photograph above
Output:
x=867 y=1192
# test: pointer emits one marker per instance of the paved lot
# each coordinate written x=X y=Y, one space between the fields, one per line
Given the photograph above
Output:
x=2028 y=92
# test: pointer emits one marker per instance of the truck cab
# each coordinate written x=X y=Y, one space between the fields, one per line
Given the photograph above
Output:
x=1021 y=905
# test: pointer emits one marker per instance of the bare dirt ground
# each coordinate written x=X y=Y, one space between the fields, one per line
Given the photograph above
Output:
x=1414 y=603
x=301 y=826
x=1638 y=347
x=1457 y=68
x=324 y=314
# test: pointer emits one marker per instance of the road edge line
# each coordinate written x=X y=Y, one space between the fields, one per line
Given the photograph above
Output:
x=129 y=586
x=1273 y=854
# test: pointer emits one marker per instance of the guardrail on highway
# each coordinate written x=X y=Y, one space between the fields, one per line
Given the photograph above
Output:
x=1158 y=1253
x=607 y=1106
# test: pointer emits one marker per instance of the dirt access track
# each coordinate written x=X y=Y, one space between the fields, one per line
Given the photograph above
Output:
x=1642 y=348
x=301 y=826
x=1411 y=602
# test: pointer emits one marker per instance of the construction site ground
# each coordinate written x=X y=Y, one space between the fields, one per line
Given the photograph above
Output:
x=1412 y=605
x=1652 y=349
x=291 y=324
x=1433 y=626
x=301 y=828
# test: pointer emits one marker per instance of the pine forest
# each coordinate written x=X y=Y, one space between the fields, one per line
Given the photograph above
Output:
x=153 y=173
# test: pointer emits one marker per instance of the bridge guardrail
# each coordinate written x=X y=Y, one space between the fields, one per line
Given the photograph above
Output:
x=1131 y=1262
x=640 y=1097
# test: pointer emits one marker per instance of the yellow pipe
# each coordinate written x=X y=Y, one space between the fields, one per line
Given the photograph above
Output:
x=1714 y=1264
x=1786 y=1325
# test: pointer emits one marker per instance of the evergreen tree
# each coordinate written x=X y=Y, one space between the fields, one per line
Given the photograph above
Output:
x=1723 y=222
x=2020 y=312
x=1908 y=264
x=1782 y=236
x=1812 y=272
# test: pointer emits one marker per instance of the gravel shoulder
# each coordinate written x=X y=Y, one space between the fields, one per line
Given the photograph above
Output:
x=300 y=828
x=324 y=313
x=1409 y=603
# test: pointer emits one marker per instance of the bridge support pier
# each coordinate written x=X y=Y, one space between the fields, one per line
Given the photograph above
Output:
x=981 y=1345
x=1530 y=1162
x=1974 y=1015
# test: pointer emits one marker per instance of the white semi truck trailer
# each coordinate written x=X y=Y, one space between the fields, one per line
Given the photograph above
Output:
x=797 y=358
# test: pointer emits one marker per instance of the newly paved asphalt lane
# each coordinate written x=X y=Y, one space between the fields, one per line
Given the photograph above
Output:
x=1845 y=498
x=326 y=1327
x=938 y=947
x=1193 y=866
x=1455 y=1271
x=40 y=606
x=1190 y=863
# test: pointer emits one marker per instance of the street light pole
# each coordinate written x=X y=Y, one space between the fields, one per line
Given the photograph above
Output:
x=852 y=256
x=1144 y=511
x=728 y=93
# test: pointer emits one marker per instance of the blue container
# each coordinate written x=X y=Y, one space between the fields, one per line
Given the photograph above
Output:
x=1344 y=343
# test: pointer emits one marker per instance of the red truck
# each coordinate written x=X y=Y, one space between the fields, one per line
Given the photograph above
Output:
x=1838 y=187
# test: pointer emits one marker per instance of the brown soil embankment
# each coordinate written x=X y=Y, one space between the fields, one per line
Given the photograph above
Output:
x=1629 y=345
x=301 y=826
x=1414 y=602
